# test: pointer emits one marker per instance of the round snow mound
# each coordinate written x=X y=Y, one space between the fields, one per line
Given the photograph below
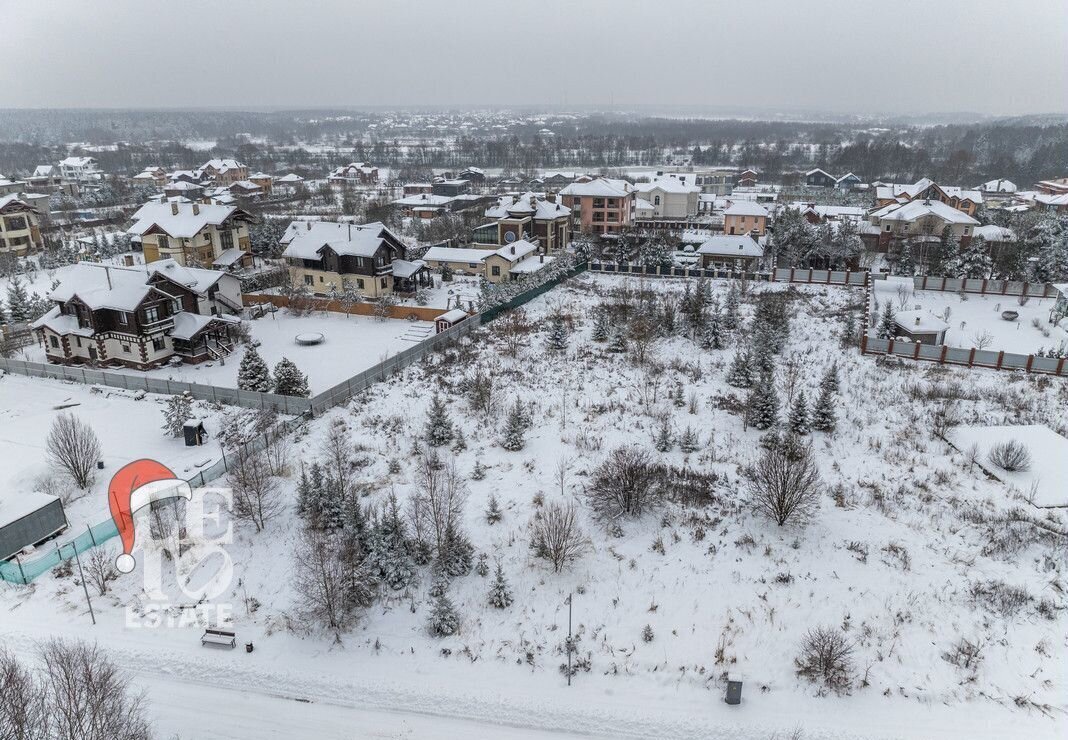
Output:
x=1010 y=315
x=309 y=338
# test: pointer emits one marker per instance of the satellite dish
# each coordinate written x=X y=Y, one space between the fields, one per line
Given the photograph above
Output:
x=509 y=236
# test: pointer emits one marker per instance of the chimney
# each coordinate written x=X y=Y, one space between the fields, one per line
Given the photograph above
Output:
x=174 y=208
x=551 y=197
x=307 y=225
x=512 y=248
x=196 y=209
x=541 y=257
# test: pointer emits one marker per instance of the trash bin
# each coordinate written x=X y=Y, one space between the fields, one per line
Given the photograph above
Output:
x=734 y=692
x=248 y=647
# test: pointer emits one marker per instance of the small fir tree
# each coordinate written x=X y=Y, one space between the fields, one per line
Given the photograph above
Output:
x=688 y=442
x=515 y=428
x=664 y=440
x=439 y=429
x=444 y=620
x=252 y=373
x=500 y=595
x=830 y=378
x=600 y=327
x=887 y=329
x=798 y=417
x=176 y=413
x=823 y=416
x=557 y=339
x=493 y=510
x=289 y=380
x=740 y=374
x=618 y=342
x=763 y=403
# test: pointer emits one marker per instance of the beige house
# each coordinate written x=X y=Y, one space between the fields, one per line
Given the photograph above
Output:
x=966 y=201
x=223 y=171
x=20 y=229
x=740 y=252
x=514 y=260
x=745 y=217
x=465 y=261
x=666 y=199
x=922 y=218
x=192 y=234
x=328 y=258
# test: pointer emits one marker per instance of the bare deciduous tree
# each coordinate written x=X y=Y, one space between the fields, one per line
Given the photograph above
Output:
x=1011 y=456
x=24 y=713
x=99 y=569
x=276 y=451
x=623 y=484
x=257 y=496
x=514 y=329
x=555 y=534
x=337 y=452
x=827 y=659
x=87 y=696
x=320 y=579
x=560 y=473
x=438 y=504
x=73 y=446
x=784 y=483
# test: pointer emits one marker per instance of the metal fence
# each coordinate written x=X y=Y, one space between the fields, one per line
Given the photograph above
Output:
x=855 y=278
x=216 y=394
x=683 y=272
x=24 y=570
x=985 y=287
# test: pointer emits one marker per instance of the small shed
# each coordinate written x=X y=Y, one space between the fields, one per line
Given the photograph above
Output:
x=194 y=432
x=921 y=327
x=28 y=518
x=449 y=319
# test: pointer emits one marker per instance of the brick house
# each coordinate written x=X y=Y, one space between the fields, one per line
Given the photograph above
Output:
x=528 y=216
x=966 y=201
x=20 y=228
x=355 y=173
x=192 y=234
x=745 y=217
x=223 y=171
x=601 y=205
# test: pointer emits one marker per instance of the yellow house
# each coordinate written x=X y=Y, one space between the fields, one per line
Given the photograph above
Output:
x=192 y=234
x=745 y=217
x=514 y=260
x=20 y=230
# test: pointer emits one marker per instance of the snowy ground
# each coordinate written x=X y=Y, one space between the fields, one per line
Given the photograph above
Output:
x=1045 y=481
x=906 y=555
x=128 y=428
x=464 y=287
x=971 y=315
x=353 y=343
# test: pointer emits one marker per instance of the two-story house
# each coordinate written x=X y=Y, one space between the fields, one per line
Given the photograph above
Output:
x=966 y=201
x=355 y=173
x=223 y=171
x=336 y=258
x=140 y=317
x=817 y=178
x=527 y=216
x=601 y=205
x=745 y=217
x=666 y=199
x=192 y=234
x=514 y=260
x=154 y=176
x=82 y=170
x=20 y=229
x=925 y=219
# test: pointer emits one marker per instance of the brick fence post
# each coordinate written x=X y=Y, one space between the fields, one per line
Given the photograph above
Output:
x=942 y=358
x=1060 y=367
x=971 y=357
x=1001 y=358
x=1030 y=359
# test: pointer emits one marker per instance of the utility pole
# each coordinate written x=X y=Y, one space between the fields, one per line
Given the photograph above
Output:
x=85 y=586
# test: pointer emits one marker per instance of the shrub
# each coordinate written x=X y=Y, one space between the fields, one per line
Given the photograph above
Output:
x=826 y=659
x=1010 y=456
x=624 y=484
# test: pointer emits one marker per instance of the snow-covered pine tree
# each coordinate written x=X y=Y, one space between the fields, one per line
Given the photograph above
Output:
x=316 y=484
x=479 y=471
x=459 y=442
x=664 y=439
x=444 y=621
x=600 y=327
x=331 y=506
x=289 y=380
x=972 y=262
x=886 y=329
x=482 y=565
x=849 y=330
x=252 y=373
x=618 y=342
x=762 y=406
x=557 y=339
x=689 y=442
x=830 y=378
x=712 y=337
x=500 y=595
x=730 y=311
x=389 y=553
x=304 y=494
x=493 y=510
x=18 y=301
x=355 y=528
x=515 y=428
x=797 y=418
x=438 y=431
x=823 y=416
x=454 y=557
x=740 y=374
x=943 y=253
x=176 y=413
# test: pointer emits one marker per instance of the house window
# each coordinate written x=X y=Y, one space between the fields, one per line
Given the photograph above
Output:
x=126 y=348
x=163 y=241
x=656 y=200
x=309 y=280
x=123 y=318
x=320 y=278
x=16 y=223
x=888 y=227
x=176 y=305
x=383 y=282
x=55 y=342
x=226 y=239
x=78 y=340
x=495 y=270
x=151 y=315
x=359 y=283
x=159 y=344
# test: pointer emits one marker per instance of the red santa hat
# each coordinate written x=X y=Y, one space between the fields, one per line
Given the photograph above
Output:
x=133 y=487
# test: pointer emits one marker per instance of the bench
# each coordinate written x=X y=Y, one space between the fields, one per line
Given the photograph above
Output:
x=224 y=638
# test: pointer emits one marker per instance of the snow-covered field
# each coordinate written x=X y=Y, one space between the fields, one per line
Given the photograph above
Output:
x=913 y=549
x=129 y=427
x=971 y=315
x=1045 y=479
x=352 y=344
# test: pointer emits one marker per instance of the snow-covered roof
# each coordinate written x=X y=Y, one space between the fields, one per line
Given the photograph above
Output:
x=993 y=233
x=919 y=321
x=917 y=209
x=405 y=269
x=667 y=185
x=291 y=177
x=12 y=199
x=61 y=324
x=183 y=224
x=745 y=208
x=456 y=254
x=847 y=176
x=229 y=257
x=602 y=187
x=723 y=245
x=527 y=204
x=187 y=325
x=829 y=211
x=222 y=165
x=306 y=239
x=426 y=200
x=77 y=162
x=998 y=186
x=825 y=173
x=44 y=170
x=183 y=185
x=641 y=204
x=530 y=264
x=516 y=250
x=103 y=286
x=13 y=508
x=456 y=314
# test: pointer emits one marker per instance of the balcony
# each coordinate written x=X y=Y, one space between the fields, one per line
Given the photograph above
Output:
x=159 y=325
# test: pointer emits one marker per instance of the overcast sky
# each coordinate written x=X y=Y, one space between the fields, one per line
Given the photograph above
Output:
x=901 y=56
